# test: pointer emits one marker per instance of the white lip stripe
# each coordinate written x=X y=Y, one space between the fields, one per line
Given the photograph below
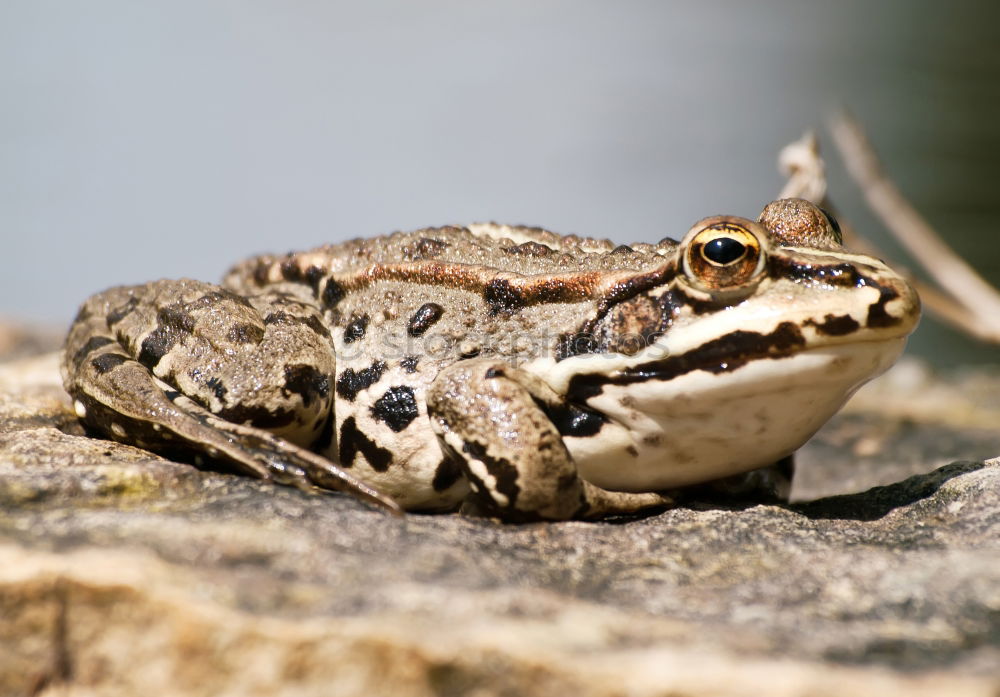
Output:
x=701 y=426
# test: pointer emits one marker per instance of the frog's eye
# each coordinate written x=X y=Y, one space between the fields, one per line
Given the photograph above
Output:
x=722 y=254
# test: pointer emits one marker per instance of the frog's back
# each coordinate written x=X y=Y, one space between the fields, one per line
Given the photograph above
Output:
x=485 y=289
x=504 y=248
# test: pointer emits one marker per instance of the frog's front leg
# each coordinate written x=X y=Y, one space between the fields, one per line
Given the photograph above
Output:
x=491 y=417
x=189 y=367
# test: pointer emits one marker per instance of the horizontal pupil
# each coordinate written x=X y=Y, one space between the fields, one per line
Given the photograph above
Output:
x=724 y=250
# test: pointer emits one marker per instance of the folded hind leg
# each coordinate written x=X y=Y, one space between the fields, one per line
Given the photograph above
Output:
x=184 y=365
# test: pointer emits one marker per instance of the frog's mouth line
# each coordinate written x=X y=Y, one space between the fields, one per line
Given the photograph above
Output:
x=725 y=354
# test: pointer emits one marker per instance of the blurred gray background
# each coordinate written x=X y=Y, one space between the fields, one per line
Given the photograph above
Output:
x=141 y=140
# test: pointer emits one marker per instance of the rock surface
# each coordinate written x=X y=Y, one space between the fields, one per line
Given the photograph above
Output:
x=122 y=573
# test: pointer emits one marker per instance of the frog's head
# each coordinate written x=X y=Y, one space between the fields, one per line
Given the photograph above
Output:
x=788 y=272
x=758 y=333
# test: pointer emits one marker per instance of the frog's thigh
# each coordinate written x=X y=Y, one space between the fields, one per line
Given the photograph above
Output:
x=264 y=360
x=487 y=415
x=113 y=348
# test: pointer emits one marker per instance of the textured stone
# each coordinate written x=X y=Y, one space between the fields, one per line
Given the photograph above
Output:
x=122 y=573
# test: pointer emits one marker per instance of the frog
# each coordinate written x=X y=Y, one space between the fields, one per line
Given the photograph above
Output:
x=502 y=370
